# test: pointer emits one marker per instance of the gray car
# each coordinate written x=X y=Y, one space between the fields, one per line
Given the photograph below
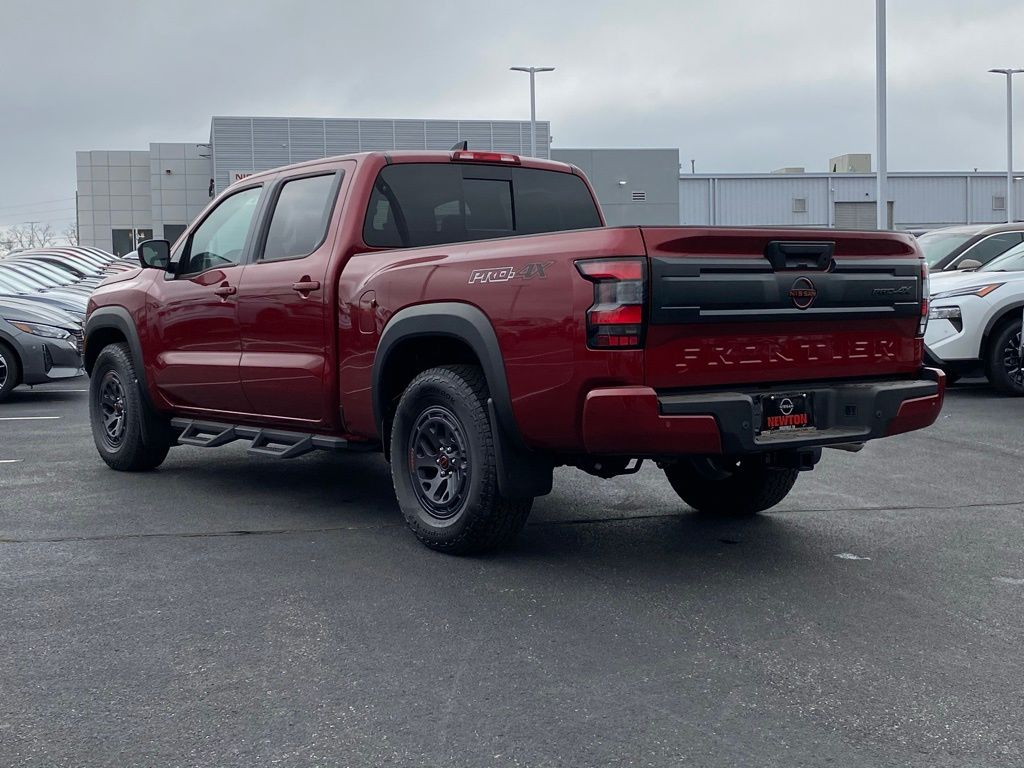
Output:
x=37 y=344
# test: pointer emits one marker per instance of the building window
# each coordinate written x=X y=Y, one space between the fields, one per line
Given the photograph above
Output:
x=998 y=202
x=124 y=241
x=638 y=196
x=172 y=232
x=799 y=205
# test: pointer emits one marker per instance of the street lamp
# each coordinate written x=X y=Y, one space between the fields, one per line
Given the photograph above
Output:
x=881 y=190
x=533 y=103
x=1009 y=72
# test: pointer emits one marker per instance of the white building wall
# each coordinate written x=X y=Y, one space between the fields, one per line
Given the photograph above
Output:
x=920 y=200
x=744 y=202
x=695 y=200
x=113 y=194
x=179 y=185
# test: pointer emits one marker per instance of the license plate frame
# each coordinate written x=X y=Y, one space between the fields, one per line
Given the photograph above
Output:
x=787 y=412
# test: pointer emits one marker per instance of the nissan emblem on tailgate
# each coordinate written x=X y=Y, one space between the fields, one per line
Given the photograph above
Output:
x=803 y=292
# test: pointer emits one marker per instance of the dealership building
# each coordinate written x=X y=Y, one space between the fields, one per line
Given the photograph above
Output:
x=126 y=196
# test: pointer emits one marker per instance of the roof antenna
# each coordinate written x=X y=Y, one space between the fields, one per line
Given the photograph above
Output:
x=461 y=146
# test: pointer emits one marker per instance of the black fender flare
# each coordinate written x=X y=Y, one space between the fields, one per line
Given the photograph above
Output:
x=521 y=472
x=120 y=319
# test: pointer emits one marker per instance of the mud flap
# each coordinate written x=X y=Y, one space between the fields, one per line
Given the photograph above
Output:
x=522 y=474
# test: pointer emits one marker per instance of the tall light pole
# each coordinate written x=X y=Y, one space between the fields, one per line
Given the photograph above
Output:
x=533 y=103
x=1009 y=72
x=881 y=193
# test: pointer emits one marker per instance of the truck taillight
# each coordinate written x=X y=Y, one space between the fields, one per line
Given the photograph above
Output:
x=616 y=318
x=922 y=326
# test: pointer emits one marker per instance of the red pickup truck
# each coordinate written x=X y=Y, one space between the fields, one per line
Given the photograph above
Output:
x=469 y=314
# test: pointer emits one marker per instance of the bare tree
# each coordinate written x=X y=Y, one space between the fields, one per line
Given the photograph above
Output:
x=30 y=235
x=70 y=234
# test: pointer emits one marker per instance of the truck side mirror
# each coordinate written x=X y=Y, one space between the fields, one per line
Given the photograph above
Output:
x=155 y=254
x=968 y=264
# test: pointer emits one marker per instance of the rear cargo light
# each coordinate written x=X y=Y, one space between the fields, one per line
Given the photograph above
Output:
x=925 y=293
x=616 y=318
x=485 y=157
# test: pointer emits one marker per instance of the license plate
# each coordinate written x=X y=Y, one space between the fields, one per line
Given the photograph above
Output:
x=780 y=413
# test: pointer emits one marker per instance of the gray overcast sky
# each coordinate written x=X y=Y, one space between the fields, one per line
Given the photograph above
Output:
x=738 y=85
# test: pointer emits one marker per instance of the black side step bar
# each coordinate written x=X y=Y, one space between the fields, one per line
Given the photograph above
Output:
x=265 y=442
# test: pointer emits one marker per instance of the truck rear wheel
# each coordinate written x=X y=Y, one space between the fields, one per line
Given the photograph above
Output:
x=117 y=412
x=444 y=468
x=730 y=486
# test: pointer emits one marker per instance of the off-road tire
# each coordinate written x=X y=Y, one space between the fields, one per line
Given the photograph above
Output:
x=735 y=487
x=1002 y=360
x=478 y=517
x=113 y=372
x=12 y=376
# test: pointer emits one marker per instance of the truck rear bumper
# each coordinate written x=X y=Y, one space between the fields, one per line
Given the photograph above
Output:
x=638 y=421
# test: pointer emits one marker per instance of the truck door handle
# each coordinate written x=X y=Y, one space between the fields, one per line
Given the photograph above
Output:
x=305 y=285
x=224 y=290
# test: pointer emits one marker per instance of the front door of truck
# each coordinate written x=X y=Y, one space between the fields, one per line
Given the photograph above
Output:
x=193 y=311
x=285 y=308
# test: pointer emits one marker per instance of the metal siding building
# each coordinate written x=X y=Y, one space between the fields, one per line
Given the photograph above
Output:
x=252 y=144
x=917 y=200
x=125 y=197
x=634 y=186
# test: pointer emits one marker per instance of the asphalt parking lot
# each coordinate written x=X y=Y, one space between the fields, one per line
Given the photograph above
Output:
x=232 y=610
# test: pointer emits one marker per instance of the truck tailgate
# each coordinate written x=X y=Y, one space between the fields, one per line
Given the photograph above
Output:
x=768 y=306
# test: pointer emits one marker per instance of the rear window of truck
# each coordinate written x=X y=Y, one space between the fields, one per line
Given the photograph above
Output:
x=415 y=204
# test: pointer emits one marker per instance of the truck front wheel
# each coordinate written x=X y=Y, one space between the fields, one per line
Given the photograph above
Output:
x=117 y=412
x=728 y=485
x=443 y=464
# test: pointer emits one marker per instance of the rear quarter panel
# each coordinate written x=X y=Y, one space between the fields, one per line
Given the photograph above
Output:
x=535 y=299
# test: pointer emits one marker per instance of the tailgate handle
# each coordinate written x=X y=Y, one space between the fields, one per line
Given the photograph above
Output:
x=800 y=254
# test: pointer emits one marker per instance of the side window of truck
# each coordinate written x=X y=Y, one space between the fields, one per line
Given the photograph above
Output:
x=416 y=204
x=220 y=240
x=302 y=213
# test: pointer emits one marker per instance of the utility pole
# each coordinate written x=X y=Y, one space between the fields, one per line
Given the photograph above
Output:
x=881 y=191
x=533 y=103
x=1009 y=72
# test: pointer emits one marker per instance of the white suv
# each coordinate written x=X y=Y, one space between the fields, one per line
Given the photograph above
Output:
x=975 y=321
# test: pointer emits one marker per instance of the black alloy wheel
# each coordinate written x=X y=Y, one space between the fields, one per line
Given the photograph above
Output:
x=10 y=373
x=114 y=407
x=1013 y=361
x=439 y=460
x=1005 y=368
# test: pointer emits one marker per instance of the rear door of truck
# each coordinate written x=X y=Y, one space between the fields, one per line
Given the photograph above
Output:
x=756 y=308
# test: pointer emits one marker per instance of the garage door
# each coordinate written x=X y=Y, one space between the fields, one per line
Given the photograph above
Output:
x=858 y=216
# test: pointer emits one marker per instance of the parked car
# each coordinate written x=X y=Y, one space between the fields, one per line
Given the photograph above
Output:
x=58 y=276
x=13 y=286
x=975 y=321
x=469 y=315
x=949 y=247
x=37 y=344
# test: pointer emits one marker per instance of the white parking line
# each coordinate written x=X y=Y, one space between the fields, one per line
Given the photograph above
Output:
x=28 y=418
x=10 y=461
x=58 y=390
